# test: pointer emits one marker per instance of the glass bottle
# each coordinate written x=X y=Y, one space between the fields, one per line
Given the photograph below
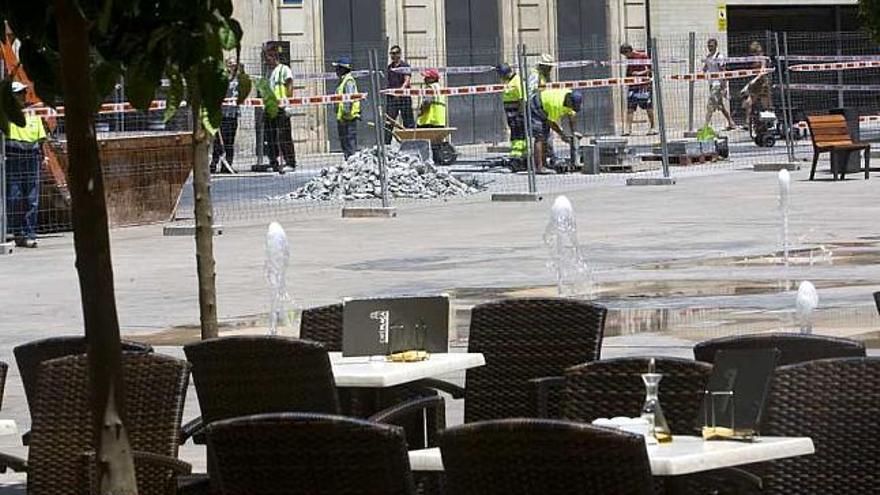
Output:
x=651 y=410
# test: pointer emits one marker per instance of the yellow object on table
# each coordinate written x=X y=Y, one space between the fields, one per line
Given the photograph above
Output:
x=409 y=356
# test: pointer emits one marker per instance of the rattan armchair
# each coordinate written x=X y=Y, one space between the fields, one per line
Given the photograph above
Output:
x=793 y=347
x=241 y=376
x=522 y=340
x=323 y=324
x=877 y=301
x=60 y=454
x=4 y=370
x=308 y=454
x=614 y=387
x=543 y=457
x=836 y=402
x=31 y=355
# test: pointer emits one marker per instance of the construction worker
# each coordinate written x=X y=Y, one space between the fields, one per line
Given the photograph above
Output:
x=348 y=112
x=432 y=109
x=24 y=159
x=512 y=99
x=541 y=73
x=279 y=139
x=547 y=109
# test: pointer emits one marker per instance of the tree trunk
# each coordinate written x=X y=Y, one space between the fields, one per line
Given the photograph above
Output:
x=204 y=213
x=115 y=466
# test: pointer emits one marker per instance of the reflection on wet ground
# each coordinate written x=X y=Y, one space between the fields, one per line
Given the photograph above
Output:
x=844 y=253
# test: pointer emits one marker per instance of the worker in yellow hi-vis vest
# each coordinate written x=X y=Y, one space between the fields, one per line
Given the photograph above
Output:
x=279 y=137
x=547 y=109
x=432 y=109
x=512 y=99
x=24 y=160
x=349 y=112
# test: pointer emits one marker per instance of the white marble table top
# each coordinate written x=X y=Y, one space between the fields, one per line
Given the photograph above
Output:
x=685 y=455
x=375 y=372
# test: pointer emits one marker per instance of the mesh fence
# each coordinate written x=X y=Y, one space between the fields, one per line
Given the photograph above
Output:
x=767 y=83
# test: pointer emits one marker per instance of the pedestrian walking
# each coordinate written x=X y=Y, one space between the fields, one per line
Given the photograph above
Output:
x=24 y=161
x=349 y=112
x=638 y=95
x=398 y=75
x=718 y=88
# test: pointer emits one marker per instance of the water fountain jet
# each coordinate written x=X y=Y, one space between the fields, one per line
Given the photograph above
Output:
x=277 y=259
x=574 y=276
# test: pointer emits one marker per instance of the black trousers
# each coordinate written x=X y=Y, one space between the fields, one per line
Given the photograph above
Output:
x=279 y=139
x=399 y=106
x=228 y=128
x=347 y=136
x=516 y=120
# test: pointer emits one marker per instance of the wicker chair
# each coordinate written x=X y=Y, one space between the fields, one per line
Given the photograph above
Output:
x=793 y=348
x=877 y=301
x=522 y=340
x=835 y=402
x=547 y=457
x=614 y=387
x=62 y=427
x=241 y=376
x=323 y=324
x=4 y=370
x=31 y=355
x=310 y=454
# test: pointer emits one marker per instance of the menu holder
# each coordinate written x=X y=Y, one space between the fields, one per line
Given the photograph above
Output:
x=403 y=329
x=736 y=392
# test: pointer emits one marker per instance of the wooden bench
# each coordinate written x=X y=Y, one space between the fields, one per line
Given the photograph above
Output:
x=830 y=134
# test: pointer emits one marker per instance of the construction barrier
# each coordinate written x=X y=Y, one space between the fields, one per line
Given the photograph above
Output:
x=833 y=87
x=598 y=83
x=825 y=58
x=715 y=76
x=861 y=64
x=111 y=108
x=475 y=69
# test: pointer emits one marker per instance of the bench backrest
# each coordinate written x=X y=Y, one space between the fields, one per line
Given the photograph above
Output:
x=829 y=130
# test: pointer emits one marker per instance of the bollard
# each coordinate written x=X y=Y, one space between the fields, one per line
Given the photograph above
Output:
x=5 y=247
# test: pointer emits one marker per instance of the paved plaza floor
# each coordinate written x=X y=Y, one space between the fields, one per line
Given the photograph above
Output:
x=675 y=264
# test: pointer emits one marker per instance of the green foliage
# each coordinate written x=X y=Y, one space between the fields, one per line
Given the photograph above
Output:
x=141 y=40
x=270 y=102
x=869 y=14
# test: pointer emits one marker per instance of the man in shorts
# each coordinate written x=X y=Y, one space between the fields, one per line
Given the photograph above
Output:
x=714 y=62
x=638 y=95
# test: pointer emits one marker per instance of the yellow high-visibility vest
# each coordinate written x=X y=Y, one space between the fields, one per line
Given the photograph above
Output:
x=553 y=103
x=512 y=90
x=355 y=105
x=436 y=114
x=32 y=132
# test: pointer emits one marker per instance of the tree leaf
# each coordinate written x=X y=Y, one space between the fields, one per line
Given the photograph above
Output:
x=175 y=94
x=270 y=102
x=141 y=82
x=244 y=86
x=228 y=39
x=42 y=65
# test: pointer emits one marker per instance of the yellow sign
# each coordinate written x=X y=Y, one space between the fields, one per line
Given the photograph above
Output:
x=722 y=17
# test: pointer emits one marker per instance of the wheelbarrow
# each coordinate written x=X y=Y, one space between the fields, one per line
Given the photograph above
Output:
x=443 y=151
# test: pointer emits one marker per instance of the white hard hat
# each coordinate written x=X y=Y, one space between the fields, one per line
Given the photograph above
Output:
x=546 y=59
x=18 y=87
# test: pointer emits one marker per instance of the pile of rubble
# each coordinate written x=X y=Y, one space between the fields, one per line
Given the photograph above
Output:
x=358 y=178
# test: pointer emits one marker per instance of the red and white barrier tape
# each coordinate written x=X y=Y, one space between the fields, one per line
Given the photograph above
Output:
x=860 y=64
x=110 y=108
x=833 y=87
x=598 y=83
x=451 y=91
x=824 y=58
x=738 y=60
x=473 y=69
x=717 y=76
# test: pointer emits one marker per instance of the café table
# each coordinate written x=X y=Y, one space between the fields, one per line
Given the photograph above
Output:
x=684 y=455
x=376 y=372
x=367 y=385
